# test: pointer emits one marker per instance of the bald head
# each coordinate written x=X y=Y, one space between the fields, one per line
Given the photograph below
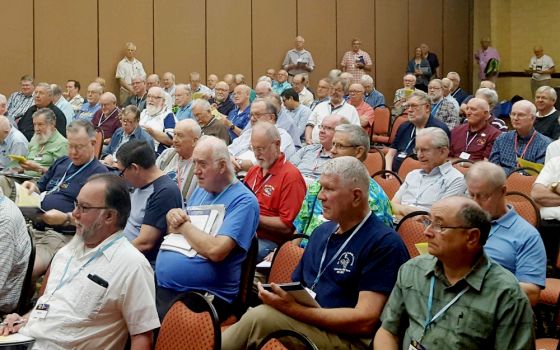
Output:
x=5 y=128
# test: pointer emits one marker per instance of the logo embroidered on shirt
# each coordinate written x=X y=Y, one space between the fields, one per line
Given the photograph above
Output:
x=345 y=261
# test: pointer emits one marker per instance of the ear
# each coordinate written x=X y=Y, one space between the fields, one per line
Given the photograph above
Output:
x=361 y=152
x=356 y=196
x=473 y=238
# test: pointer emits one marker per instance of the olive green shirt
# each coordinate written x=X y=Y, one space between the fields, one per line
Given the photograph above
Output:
x=47 y=153
x=494 y=313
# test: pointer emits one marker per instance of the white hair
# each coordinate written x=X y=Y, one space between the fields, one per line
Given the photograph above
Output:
x=351 y=172
x=438 y=137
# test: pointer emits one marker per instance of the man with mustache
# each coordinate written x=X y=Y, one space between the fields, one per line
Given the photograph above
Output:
x=157 y=120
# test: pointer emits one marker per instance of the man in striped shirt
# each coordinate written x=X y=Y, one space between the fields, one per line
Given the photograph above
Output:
x=20 y=101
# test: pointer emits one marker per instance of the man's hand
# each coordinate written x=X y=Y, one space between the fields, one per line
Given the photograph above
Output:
x=13 y=323
x=278 y=298
x=237 y=164
x=55 y=217
x=175 y=218
x=30 y=187
x=149 y=130
x=109 y=160
x=31 y=165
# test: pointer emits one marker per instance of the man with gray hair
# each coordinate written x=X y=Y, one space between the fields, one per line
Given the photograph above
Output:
x=436 y=178
x=491 y=96
x=107 y=118
x=20 y=101
x=157 y=120
x=216 y=267
x=138 y=98
x=183 y=101
x=3 y=105
x=169 y=84
x=298 y=60
x=456 y=91
x=263 y=89
x=128 y=68
x=372 y=97
x=197 y=88
x=547 y=115
x=62 y=104
x=299 y=86
x=447 y=85
x=92 y=105
x=43 y=97
x=221 y=101
x=350 y=286
x=442 y=109
x=209 y=124
x=12 y=142
x=522 y=143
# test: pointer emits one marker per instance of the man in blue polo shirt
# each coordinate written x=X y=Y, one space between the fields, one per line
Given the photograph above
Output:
x=513 y=242
x=350 y=264
x=216 y=267
x=61 y=185
x=417 y=108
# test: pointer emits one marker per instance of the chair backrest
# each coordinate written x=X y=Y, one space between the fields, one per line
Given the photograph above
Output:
x=98 y=142
x=285 y=261
x=28 y=288
x=389 y=181
x=375 y=161
x=382 y=121
x=190 y=324
x=273 y=341
x=412 y=231
x=520 y=183
x=241 y=302
x=408 y=164
x=525 y=207
x=395 y=127
x=462 y=165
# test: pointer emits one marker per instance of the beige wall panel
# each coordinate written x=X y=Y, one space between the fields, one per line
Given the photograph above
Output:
x=179 y=40
x=16 y=26
x=355 y=19
x=119 y=22
x=456 y=31
x=317 y=24
x=274 y=30
x=66 y=41
x=391 y=45
x=425 y=26
x=229 y=37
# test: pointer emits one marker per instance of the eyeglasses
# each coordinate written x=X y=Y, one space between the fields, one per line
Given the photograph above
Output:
x=355 y=92
x=325 y=127
x=121 y=173
x=413 y=106
x=259 y=150
x=434 y=88
x=519 y=116
x=155 y=97
x=124 y=121
x=82 y=208
x=338 y=145
x=437 y=227
x=480 y=196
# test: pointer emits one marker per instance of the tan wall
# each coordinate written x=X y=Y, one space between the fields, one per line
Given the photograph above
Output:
x=515 y=27
x=56 y=40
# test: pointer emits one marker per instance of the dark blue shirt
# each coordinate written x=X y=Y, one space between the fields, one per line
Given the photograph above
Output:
x=369 y=262
x=405 y=140
x=116 y=139
x=76 y=176
x=239 y=119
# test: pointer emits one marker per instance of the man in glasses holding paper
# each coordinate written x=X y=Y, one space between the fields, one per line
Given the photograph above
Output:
x=349 y=265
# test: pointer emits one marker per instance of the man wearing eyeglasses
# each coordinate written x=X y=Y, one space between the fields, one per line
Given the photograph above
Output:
x=43 y=98
x=456 y=297
x=61 y=185
x=107 y=118
x=522 y=143
x=221 y=100
x=418 y=114
x=100 y=290
x=157 y=120
x=513 y=242
x=138 y=98
x=365 y=111
x=442 y=108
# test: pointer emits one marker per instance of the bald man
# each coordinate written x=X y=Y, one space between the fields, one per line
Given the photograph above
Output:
x=474 y=139
x=298 y=60
x=107 y=118
x=12 y=141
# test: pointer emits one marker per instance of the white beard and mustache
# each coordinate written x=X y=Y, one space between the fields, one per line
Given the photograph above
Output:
x=153 y=110
x=43 y=138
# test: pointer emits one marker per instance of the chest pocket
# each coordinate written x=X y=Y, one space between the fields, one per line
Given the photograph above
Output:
x=89 y=298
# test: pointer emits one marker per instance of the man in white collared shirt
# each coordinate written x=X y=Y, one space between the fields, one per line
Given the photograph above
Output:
x=128 y=68
x=100 y=289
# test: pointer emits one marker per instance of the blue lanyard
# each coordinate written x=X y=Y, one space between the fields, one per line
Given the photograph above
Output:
x=335 y=256
x=436 y=107
x=429 y=318
x=412 y=138
x=57 y=186
x=218 y=196
x=97 y=254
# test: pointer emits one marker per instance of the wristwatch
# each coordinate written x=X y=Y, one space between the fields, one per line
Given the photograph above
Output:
x=232 y=127
x=554 y=186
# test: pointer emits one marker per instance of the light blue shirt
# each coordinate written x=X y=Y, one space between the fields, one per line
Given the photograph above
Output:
x=15 y=143
x=184 y=112
x=66 y=108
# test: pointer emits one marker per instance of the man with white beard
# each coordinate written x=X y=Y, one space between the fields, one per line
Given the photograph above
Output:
x=157 y=120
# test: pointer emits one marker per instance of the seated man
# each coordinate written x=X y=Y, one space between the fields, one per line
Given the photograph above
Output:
x=12 y=142
x=154 y=195
x=365 y=111
x=473 y=140
x=15 y=245
x=299 y=85
x=351 y=284
x=418 y=114
x=216 y=268
x=402 y=94
x=139 y=92
x=322 y=93
x=298 y=112
x=436 y=178
x=281 y=82
x=43 y=98
x=130 y=130
x=442 y=109
x=60 y=185
x=513 y=242
x=490 y=95
x=310 y=159
x=62 y=104
x=92 y=105
x=240 y=148
x=372 y=97
x=524 y=142
x=238 y=118
x=183 y=101
x=20 y=101
x=176 y=161
x=278 y=186
x=157 y=120
x=456 y=91
x=221 y=100
x=107 y=118
x=209 y=124
x=481 y=302
x=108 y=292
x=547 y=115
x=348 y=140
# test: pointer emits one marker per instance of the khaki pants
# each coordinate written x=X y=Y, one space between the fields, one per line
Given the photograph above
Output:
x=8 y=187
x=47 y=243
x=262 y=320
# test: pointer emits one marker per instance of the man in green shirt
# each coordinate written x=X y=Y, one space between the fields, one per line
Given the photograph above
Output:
x=456 y=298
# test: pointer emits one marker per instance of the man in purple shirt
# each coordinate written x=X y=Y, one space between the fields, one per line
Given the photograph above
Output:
x=483 y=56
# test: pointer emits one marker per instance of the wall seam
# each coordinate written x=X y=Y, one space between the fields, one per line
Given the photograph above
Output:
x=98 y=46
x=206 y=38
x=252 y=47
x=33 y=11
x=154 y=35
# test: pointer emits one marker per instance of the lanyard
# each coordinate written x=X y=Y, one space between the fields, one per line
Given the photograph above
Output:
x=429 y=318
x=180 y=173
x=321 y=269
x=102 y=121
x=526 y=147
x=97 y=254
x=436 y=107
x=467 y=142
x=333 y=108
x=265 y=180
x=57 y=186
x=218 y=196
x=412 y=138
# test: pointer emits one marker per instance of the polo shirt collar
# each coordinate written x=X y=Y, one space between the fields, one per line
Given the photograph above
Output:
x=275 y=168
x=507 y=220
x=474 y=278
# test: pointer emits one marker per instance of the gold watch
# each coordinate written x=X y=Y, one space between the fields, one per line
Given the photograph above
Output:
x=554 y=186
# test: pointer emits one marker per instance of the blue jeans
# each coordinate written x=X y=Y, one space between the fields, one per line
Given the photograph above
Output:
x=265 y=247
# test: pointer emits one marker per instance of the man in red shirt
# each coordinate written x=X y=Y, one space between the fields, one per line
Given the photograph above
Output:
x=474 y=139
x=107 y=118
x=365 y=111
x=278 y=186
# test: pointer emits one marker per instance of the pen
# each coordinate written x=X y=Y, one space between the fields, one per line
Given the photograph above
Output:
x=17 y=322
